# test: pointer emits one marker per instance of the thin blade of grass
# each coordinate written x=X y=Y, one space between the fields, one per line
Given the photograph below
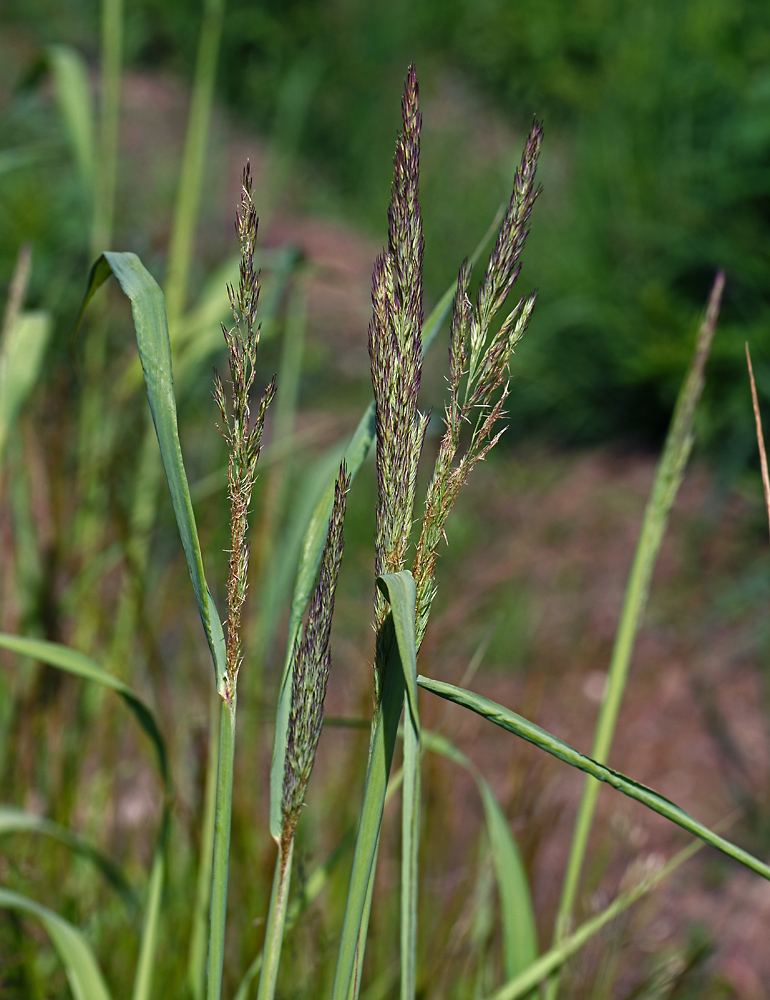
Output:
x=22 y=349
x=315 y=536
x=81 y=666
x=553 y=959
x=14 y=820
x=191 y=178
x=760 y=435
x=668 y=478
x=517 y=915
x=152 y=338
x=311 y=891
x=400 y=591
x=72 y=91
x=83 y=972
x=513 y=723
x=109 y=121
x=148 y=947
x=196 y=961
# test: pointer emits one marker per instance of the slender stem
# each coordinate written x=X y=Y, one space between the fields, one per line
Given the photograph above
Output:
x=276 y=921
x=668 y=478
x=148 y=949
x=112 y=46
x=354 y=926
x=221 y=853
x=553 y=959
x=196 y=963
x=191 y=180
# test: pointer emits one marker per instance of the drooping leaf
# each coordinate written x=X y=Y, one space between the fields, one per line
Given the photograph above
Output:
x=517 y=914
x=83 y=972
x=13 y=820
x=152 y=339
x=63 y=658
x=514 y=723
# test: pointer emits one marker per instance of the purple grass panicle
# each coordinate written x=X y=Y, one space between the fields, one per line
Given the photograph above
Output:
x=242 y=434
x=311 y=664
x=395 y=349
x=480 y=362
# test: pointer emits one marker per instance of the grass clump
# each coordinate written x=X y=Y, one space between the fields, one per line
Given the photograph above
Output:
x=484 y=331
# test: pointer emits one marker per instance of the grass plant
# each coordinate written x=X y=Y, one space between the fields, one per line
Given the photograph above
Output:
x=484 y=330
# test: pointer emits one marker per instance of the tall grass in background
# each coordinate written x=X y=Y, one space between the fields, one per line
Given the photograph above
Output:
x=484 y=329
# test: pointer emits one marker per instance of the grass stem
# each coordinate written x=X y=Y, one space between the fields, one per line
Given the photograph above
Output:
x=276 y=921
x=221 y=852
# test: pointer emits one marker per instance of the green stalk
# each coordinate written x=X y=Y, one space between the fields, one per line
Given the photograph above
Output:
x=148 y=949
x=196 y=962
x=191 y=180
x=221 y=853
x=668 y=478
x=276 y=921
x=104 y=194
x=385 y=727
x=553 y=959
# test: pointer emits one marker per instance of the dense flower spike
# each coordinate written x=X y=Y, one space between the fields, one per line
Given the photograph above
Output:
x=396 y=352
x=312 y=660
x=243 y=436
x=482 y=363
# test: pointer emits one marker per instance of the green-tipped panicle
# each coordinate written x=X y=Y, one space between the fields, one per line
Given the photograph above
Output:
x=483 y=365
x=312 y=660
x=395 y=350
x=243 y=435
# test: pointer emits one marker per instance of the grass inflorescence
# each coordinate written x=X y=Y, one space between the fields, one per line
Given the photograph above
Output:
x=484 y=330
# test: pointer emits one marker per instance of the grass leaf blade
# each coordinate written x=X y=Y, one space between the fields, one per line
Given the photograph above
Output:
x=517 y=914
x=553 y=959
x=519 y=726
x=399 y=589
x=152 y=339
x=83 y=972
x=72 y=662
x=14 y=820
x=668 y=478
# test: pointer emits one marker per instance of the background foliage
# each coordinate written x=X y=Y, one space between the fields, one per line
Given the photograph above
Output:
x=656 y=168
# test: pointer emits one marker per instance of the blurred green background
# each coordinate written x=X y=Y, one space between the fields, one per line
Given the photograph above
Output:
x=656 y=168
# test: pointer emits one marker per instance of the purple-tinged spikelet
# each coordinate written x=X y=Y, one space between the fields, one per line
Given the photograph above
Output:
x=311 y=664
x=242 y=434
x=395 y=350
x=483 y=365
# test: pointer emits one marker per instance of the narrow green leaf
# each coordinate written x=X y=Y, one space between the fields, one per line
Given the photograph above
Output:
x=553 y=959
x=83 y=972
x=21 y=357
x=384 y=730
x=72 y=90
x=312 y=547
x=150 y=942
x=81 y=666
x=311 y=891
x=155 y=353
x=76 y=663
x=399 y=590
x=14 y=820
x=519 y=726
x=516 y=911
x=668 y=479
